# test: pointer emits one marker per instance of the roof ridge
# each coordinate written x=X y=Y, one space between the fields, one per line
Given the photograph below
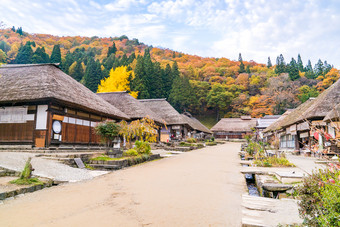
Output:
x=28 y=65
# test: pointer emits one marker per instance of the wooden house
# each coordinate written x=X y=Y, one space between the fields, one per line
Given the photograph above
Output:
x=176 y=127
x=272 y=132
x=198 y=130
x=41 y=106
x=234 y=128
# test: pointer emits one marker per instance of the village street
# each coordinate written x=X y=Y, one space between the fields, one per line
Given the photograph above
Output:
x=198 y=188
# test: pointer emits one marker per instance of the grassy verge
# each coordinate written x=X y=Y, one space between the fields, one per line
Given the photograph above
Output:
x=30 y=181
x=273 y=162
x=106 y=158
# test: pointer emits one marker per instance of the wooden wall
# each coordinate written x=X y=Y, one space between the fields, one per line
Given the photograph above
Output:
x=73 y=133
x=17 y=132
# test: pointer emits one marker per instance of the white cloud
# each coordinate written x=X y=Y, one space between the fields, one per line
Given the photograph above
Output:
x=216 y=28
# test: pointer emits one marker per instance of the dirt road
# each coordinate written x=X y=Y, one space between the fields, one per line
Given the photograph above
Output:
x=199 y=188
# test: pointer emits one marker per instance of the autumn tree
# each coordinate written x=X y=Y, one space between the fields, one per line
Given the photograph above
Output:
x=119 y=80
x=3 y=57
x=305 y=92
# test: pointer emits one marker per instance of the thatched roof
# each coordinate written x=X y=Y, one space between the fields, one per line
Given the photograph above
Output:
x=164 y=110
x=334 y=114
x=319 y=107
x=195 y=124
x=324 y=103
x=297 y=114
x=235 y=125
x=129 y=105
x=277 y=125
x=42 y=82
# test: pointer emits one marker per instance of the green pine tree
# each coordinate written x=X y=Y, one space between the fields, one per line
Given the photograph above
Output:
x=93 y=75
x=56 y=55
x=40 y=56
x=280 y=65
x=25 y=54
x=269 y=63
x=300 y=64
x=293 y=70
x=182 y=97
x=78 y=72
x=241 y=68
x=167 y=81
x=112 y=49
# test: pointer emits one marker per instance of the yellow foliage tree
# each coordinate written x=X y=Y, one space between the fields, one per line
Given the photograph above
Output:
x=119 y=80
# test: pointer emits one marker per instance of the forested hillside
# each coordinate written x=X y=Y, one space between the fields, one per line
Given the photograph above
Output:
x=217 y=87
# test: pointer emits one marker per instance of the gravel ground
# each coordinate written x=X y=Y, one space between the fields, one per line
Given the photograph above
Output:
x=46 y=168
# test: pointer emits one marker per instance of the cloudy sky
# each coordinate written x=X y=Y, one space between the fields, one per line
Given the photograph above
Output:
x=211 y=28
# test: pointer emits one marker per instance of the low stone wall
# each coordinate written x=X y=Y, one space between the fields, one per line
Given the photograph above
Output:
x=8 y=194
x=123 y=162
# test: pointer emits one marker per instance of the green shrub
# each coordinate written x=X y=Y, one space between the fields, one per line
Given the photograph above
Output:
x=320 y=198
x=199 y=145
x=212 y=139
x=211 y=143
x=130 y=152
x=273 y=161
x=184 y=144
x=143 y=147
x=191 y=140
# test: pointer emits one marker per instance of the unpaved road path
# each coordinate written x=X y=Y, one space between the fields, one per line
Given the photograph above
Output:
x=198 y=188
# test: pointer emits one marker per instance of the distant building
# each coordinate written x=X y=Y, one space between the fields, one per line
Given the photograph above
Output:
x=130 y=105
x=41 y=106
x=176 y=126
x=198 y=130
x=234 y=128
x=263 y=122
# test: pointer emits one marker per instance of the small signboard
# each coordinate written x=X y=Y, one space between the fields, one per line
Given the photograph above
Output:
x=79 y=163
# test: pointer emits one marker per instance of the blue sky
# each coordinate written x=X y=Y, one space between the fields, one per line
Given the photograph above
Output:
x=214 y=28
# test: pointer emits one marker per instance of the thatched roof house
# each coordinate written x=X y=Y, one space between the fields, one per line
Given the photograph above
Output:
x=164 y=110
x=177 y=127
x=43 y=106
x=316 y=108
x=41 y=82
x=130 y=106
x=296 y=115
x=234 y=127
x=196 y=124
